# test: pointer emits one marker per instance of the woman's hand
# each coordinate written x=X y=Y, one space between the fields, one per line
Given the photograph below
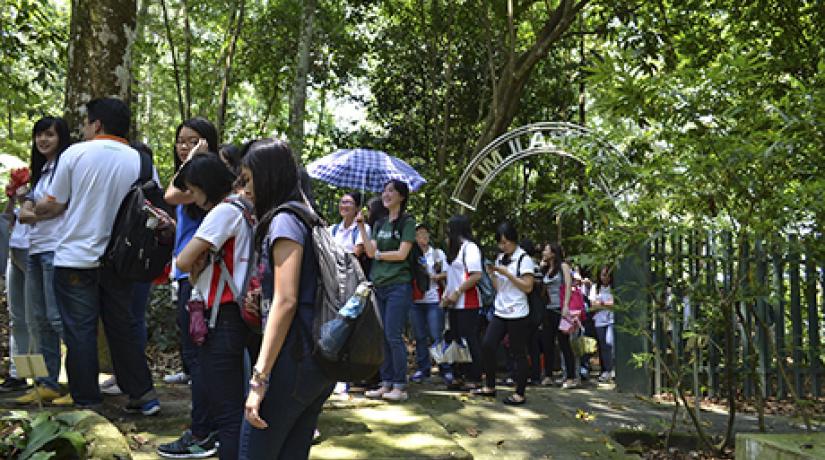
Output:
x=26 y=216
x=359 y=218
x=253 y=404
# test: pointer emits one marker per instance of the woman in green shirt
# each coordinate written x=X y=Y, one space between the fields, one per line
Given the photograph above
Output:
x=392 y=240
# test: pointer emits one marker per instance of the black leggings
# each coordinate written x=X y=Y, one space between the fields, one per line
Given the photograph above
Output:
x=550 y=324
x=518 y=330
x=465 y=324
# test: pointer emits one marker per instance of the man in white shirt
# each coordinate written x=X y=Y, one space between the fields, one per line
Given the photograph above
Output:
x=89 y=184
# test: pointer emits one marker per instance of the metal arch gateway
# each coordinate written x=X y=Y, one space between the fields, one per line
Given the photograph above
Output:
x=557 y=138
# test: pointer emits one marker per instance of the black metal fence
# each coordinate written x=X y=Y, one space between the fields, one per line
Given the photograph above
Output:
x=776 y=293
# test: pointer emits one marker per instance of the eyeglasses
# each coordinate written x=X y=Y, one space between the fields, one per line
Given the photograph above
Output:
x=192 y=141
x=347 y=202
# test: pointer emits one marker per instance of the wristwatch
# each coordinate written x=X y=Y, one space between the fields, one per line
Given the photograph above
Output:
x=259 y=377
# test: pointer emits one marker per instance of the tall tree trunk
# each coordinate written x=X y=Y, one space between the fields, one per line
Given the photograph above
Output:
x=187 y=61
x=513 y=77
x=227 y=70
x=175 y=66
x=100 y=43
x=297 y=101
x=136 y=86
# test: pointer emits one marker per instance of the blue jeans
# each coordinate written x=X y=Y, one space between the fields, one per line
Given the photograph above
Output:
x=201 y=423
x=428 y=324
x=16 y=298
x=44 y=314
x=84 y=297
x=394 y=302
x=221 y=360
x=297 y=391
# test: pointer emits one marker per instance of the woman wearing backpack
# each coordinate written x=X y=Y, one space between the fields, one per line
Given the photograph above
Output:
x=512 y=276
x=391 y=242
x=223 y=237
x=287 y=388
x=558 y=280
x=192 y=136
x=463 y=299
x=601 y=301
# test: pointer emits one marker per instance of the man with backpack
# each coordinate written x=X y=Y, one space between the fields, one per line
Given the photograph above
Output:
x=89 y=185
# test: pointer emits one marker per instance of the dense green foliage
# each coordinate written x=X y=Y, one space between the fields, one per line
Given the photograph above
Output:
x=718 y=105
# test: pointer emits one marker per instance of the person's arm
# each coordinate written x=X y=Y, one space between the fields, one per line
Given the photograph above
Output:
x=524 y=283
x=369 y=244
x=193 y=256
x=568 y=288
x=26 y=214
x=48 y=208
x=396 y=256
x=286 y=258
x=466 y=285
x=175 y=196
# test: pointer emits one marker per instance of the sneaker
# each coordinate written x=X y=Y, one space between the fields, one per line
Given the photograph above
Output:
x=65 y=400
x=377 y=393
x=547 y=381
x=419 y=377
x=340 y=388
x=150 y=407
x=569 y=384
x=186 y=446
x=40 y=393
x=111 y=390
x=448 y=378
x=12 y=384
x=181 y=378
x=396 y=394
x=604 y=377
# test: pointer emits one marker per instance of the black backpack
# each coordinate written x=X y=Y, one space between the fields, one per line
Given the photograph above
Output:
x=339 y=274
x=143 y=235
x=415 y=258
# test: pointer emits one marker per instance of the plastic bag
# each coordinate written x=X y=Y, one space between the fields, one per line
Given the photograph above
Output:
x=583 y=345
x=458 y=353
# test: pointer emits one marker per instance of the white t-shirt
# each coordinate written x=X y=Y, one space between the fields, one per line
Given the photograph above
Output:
x=433 y=256
x=347 y=237
x=457 y=273
x=511 y=302
x=45 y=234
x=603 y=294
x=93 y=177
x=19 y=237
x=224 y=227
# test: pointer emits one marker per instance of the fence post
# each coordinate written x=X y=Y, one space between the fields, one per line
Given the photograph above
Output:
x=762 y=315
x=814 y=364
x=796 y=313
x=713 y=352
x=779 y=327
x=632 y=285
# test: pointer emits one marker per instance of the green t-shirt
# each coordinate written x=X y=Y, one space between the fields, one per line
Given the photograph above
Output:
x=385 y=272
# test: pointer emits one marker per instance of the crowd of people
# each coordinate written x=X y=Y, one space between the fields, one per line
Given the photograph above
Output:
x=259 y=395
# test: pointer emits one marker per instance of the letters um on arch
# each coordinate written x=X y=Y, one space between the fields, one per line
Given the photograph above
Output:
x=539 y=138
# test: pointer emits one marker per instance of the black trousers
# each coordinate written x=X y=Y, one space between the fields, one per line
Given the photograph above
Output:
x=518 y=331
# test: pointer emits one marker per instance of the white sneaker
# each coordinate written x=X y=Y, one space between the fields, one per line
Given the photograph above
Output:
x=181 y=378
x=340 y=388
x=605 y=377
x=109 y=387
x=396 y=395
x=377 y=393
x=569 y=384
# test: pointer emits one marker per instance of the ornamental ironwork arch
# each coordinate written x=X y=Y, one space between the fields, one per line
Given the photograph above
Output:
x=604 y=164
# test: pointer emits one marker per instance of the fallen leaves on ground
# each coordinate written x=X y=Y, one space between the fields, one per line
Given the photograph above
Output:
x=585 y=416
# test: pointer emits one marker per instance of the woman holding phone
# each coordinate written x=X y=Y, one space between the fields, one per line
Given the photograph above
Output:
x=512 y=277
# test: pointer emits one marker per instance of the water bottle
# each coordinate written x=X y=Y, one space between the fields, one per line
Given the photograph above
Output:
x=355 y=304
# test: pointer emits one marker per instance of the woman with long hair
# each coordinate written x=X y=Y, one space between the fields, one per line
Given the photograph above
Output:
x=223 y=239
x=388 y=246
x=192 y=136
x=601 y=302
x=463 y=299
x=512 y=277
x=558 y=281
x=287 y=389
x=50 y=137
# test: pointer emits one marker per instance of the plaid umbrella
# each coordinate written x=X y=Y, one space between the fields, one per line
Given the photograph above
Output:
x=363 y=169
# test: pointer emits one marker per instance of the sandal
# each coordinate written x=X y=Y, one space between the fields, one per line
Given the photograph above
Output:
x=512 y=401
x=483 y=392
